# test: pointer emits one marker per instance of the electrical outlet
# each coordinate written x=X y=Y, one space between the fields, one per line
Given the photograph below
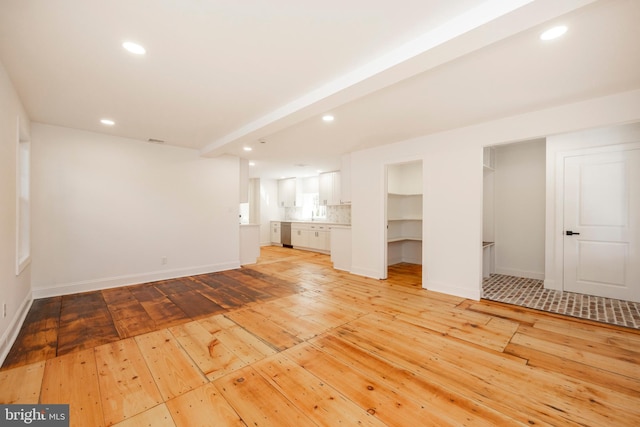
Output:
x=164 y=260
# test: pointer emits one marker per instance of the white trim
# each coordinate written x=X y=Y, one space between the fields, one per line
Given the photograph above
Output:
x=134 y=279
x=473 y=294
x=373 y=274
x=22 y=241
x=11 y=333
x=520 y=273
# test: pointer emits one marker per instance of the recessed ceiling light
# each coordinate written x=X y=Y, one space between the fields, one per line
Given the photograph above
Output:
x=107 y=122
x=134 y=48
x=247 y=148
x=252 y=163
x=327 y=118
x=553 y=33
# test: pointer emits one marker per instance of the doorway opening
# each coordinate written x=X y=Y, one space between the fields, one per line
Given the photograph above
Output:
x=403 y=251
x=532 y=217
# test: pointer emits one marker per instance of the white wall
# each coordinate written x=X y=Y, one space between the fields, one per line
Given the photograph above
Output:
x=519 y=202
x=15 y=290
x=405 y=178
x=106 y=210
x=558 y=147
x=452 y=185
x=269 y=210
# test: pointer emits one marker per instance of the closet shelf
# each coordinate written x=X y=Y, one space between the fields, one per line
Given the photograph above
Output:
x=404 y=239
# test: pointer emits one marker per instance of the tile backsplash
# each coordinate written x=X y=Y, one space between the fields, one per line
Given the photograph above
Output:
x=340 y=214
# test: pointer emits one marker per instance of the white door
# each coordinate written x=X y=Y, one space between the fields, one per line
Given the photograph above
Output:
x=601 y=230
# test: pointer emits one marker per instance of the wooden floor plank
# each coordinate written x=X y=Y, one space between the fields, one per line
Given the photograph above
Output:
x=297 y=326
x=624 y=364
x=132 y=326
x=126 y=309
x=174 y=372
x=319 y=401
x=602 y=334
x=158 y=416
x=391 y=408
x=86 y=333
x=164 y=312
x=545 y=390
x=73 y=379
x=195 y=305
x=258 y=402
x=21 y=385
x=299 y=343
x=587 y=373
x=462 y=410
x=448 y=368
x=211 y=355
x=127 y=385
x=271 y=333
x=212 y=409
x=245 y=345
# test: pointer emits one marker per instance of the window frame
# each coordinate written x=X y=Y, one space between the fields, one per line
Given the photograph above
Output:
x=23 y=199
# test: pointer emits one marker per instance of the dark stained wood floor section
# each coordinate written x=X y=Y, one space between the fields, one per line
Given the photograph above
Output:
x=60 y=325
x=290 y=341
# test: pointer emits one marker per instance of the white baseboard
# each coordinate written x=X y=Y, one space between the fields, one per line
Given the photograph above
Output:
x=520 y=273
x=445 y=288
x=552 y=284
x=10 y=335
x=134 y=279
x=373 y=274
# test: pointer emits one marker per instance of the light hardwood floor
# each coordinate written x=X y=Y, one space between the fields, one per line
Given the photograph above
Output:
x=336 y=349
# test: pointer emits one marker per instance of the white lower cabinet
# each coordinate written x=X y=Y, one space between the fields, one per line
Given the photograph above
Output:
x=311 y=236
x=319 y=237
x=299 y=236
x=275 y=233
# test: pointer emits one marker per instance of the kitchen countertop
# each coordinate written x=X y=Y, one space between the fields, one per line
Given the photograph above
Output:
x=297 y=221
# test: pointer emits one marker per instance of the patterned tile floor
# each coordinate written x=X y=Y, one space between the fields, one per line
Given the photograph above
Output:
x=532 y=294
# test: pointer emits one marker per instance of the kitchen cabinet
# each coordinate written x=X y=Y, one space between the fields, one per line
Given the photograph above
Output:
x=319 y=237
x=287 y=193
x=330 y=189
x=275 y=233
x=311 y=236
x=300 y=235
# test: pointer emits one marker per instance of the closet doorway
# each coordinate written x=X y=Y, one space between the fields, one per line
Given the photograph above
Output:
x=514 y=202
x=403 y=233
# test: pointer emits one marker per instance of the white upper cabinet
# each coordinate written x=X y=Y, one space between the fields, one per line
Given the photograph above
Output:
x=330 y=188
x=287 y=192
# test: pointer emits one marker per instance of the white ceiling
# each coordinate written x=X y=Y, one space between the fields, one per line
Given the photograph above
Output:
x=219 y=75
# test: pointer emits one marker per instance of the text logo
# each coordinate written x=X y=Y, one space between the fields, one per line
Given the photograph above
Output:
x=34 y=415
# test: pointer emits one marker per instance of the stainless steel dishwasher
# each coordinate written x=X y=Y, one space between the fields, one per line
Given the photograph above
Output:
x=285 y=234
